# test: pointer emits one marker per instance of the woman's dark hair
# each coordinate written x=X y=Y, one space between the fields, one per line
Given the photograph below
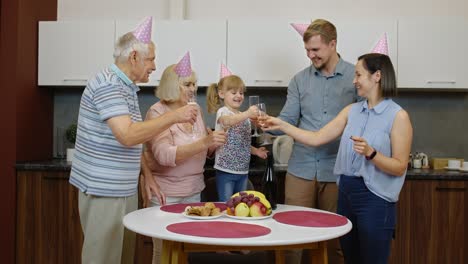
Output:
x=373 y=62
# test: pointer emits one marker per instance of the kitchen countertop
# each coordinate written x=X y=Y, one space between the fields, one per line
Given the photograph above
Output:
x=256 y=169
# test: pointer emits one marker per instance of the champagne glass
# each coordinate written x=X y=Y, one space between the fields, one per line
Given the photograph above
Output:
x=224 y=126
x=192 y=100
x=254 y=100
x=262 y=116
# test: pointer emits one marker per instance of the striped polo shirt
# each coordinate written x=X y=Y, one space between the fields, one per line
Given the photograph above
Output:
x=101 y=165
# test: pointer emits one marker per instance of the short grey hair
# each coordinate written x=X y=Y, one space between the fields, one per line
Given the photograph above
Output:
x=128 y=43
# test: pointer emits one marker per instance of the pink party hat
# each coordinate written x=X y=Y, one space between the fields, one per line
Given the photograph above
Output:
x=184 y=68
x=143 y=31
x=300 y=28
x=225 y=71
x=381 y=46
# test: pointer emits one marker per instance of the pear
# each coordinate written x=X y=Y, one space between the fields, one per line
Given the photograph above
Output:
x=242 y=209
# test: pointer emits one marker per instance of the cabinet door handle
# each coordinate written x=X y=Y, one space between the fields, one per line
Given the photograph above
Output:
x=277 y=81
x=450 y=189
x=440 y=81
x=54 y=178
x=75 y=80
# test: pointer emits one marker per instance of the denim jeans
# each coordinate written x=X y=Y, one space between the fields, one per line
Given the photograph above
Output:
x=229 y=183
x=373 y=220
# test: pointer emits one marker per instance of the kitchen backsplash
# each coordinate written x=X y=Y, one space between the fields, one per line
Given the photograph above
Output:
x=440 y=119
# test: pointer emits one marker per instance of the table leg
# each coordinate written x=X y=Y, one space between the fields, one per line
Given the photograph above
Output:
x=178 y=254
x=319 y=255
x=166 y=252
x=279 y=257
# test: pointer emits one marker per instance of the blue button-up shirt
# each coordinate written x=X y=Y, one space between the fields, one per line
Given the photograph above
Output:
x=375 y=125
x=313 y=101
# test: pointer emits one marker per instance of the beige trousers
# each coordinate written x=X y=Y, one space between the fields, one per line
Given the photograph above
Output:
x=106 y=240
x=313 y=194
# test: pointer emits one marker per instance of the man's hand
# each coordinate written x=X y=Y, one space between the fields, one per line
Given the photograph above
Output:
x=186 y=113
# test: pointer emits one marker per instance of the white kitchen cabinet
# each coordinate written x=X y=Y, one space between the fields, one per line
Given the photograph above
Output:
x=70 y=52
x=270 y=53
x=264 y=52
x=206 y=41
x=432 y=53
x=358 y=36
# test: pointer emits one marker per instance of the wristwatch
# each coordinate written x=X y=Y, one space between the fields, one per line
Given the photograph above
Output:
x=372 y=155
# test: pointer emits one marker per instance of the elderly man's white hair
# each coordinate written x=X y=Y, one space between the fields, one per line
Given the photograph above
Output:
x=128 y=43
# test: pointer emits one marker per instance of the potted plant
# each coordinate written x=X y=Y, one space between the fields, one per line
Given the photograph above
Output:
x=70 y=135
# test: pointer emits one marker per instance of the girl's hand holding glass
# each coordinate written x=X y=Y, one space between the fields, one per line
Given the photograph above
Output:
x=261 y=152
x=252 y=112
x=223 y=121
x=254 y=100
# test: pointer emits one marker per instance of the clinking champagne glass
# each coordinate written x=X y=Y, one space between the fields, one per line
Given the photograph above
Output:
x=192 y=100
x=254 y=100
x=225 y=126
x=262 y=117
x=261 y=114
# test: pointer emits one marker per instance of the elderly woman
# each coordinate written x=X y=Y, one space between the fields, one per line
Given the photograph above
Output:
x=176 y=157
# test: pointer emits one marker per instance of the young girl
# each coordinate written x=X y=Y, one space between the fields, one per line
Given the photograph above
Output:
x=232 y=160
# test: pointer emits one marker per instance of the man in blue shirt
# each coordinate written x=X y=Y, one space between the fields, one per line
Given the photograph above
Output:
x=107 y=160
x=315 y=96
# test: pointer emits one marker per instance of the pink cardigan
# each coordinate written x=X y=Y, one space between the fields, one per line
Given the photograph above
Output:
x=185 y=178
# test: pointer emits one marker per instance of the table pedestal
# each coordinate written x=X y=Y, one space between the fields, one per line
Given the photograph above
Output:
x=176 y=252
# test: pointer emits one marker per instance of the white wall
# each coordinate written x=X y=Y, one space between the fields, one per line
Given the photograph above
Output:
x=293 y=9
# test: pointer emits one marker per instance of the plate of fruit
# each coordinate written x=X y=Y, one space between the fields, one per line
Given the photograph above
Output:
x=248 y=205
x=204 y=212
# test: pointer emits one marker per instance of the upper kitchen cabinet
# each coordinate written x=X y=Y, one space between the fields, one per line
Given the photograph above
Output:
x=432 y=53
x=205 y=40
x=70 y=52
x=357 y=37
x=270 y=53
x=265 y=53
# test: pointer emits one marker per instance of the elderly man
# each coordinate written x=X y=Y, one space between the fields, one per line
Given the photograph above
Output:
x=106 y=165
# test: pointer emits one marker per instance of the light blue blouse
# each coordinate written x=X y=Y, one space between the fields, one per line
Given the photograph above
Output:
x=375 y=126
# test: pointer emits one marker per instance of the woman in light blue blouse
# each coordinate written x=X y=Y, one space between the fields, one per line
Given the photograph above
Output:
x=376 y=136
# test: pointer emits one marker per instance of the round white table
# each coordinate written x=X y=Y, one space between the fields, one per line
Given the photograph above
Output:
x=152 y=222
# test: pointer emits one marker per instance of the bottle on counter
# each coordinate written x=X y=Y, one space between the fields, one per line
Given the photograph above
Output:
x=269 y=182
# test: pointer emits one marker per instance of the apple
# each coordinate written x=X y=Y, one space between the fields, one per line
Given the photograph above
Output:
x=257 y=209
x=242 y=209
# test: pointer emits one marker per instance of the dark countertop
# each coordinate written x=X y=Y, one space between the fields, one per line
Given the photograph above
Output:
x=256 y=169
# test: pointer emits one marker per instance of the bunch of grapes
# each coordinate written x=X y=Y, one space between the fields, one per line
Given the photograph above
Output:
x=243 y=197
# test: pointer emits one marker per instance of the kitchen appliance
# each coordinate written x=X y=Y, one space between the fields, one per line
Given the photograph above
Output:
x=441 y=163
x=282 y=148
x=420 y=161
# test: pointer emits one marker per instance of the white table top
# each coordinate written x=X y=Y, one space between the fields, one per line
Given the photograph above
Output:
x=152 y=222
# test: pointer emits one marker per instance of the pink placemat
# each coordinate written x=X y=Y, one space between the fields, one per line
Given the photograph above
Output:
x=310 y=219
x=179 y=208
x=218 y=229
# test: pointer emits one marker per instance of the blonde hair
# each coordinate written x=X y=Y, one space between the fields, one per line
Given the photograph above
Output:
x=169 y=86
x=323 y=28
x=231 y=82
